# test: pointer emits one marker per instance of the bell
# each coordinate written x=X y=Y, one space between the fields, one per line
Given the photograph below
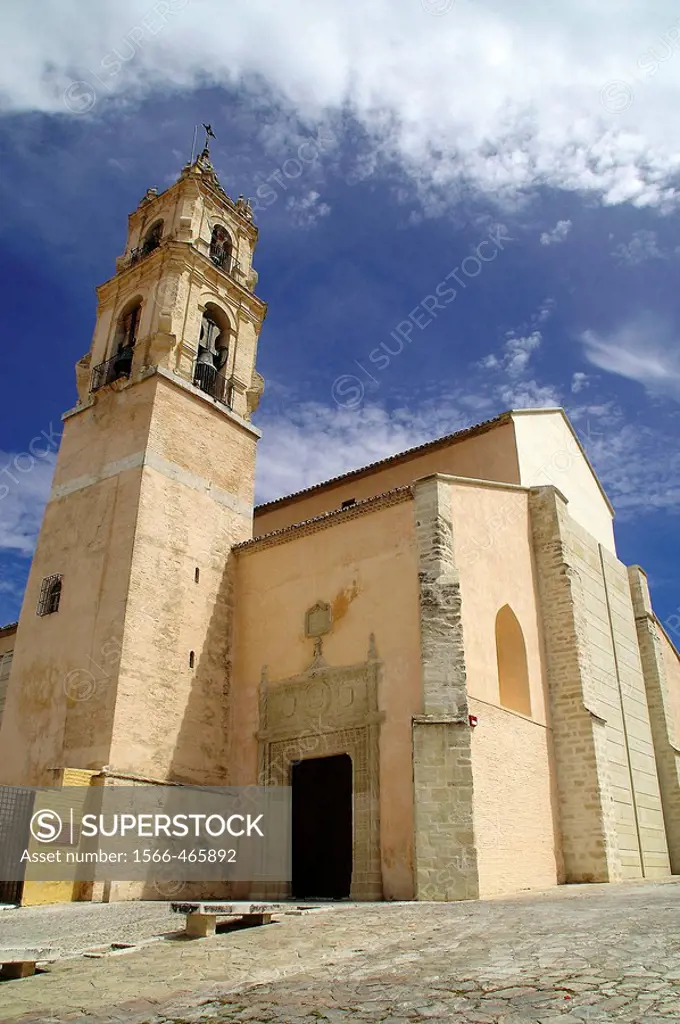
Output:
x=123 y=363
x=204 y=371
x=221 y=356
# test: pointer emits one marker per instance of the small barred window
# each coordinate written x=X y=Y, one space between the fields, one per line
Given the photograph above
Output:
x=50 y=595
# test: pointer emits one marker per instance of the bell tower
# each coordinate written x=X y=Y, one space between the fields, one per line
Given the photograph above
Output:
x=123 y=652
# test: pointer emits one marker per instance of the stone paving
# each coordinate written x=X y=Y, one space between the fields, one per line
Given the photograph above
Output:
x=74 y=927
x=572 y=954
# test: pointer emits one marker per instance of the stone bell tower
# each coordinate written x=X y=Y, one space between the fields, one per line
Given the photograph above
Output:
x=122 y=656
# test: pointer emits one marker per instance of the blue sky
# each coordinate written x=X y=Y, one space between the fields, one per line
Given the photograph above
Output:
x=386 y=145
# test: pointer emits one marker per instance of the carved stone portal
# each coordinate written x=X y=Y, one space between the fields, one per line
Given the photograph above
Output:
x=325 y=711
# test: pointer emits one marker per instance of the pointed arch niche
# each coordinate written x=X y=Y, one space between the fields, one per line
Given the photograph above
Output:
x=511 y=654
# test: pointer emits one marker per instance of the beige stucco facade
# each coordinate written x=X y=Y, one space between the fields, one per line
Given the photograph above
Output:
x=454 y=619
x=7 y=635
x=515 y=811
x=365 y=567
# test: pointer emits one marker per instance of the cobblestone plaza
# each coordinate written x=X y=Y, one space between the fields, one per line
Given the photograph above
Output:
x=577 y=953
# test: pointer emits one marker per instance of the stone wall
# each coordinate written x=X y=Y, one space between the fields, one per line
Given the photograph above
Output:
x=516 y=832
x=671 y=661
x=609 y=801
x=550 y=453
x=195 y=503
x=445 y=849
x=585 y=798
x=485 y=452
x=7 y=640
x=62 y=691
x=153 y=482
x=515 y=822
x=38 y=893
x=661 y=668
x=641 y=832
x=324 y=712
x=361 y=564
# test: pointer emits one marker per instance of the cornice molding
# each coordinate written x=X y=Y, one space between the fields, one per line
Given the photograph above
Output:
x=184 y=256
x=325 y=520
x=177 y=381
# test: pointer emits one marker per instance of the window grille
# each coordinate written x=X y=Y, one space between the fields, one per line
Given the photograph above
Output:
x=50 y=595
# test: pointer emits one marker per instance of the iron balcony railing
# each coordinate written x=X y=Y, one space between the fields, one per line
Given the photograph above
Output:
x=225 y=261
x=215 y=384
x=112 y=369
x=140 y=253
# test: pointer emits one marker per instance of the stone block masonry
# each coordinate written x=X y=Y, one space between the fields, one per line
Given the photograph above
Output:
x=585 y=798
x=445 y=849
x=637 y=764
x=609 y=799
x=657 y=657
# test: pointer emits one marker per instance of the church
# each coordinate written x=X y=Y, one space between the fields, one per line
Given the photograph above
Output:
x=468 y=691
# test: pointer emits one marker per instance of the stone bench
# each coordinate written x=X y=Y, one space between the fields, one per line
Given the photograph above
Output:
x=20 y=961
x=201 y=916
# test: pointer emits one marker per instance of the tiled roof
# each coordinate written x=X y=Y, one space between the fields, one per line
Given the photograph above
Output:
x=459 y=435
x=349 y=512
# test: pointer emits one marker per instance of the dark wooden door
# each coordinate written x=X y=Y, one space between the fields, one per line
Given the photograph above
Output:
x=322 y=827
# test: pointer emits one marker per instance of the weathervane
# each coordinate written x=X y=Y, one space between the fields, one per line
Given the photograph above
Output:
x=209 y=134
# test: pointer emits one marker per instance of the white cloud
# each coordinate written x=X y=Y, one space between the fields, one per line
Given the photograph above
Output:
x=529 y=394
x=24 y=488
x=598 y=412
x=500 y=96
x=306 y=443
x=579 y=382
x=645 y=350
x=643 y=246
x=306 y=210
x=511 y=383
x=303 y=444
x=518 y=352
x=515 y=355
x=639 y=467
x=558 y=233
